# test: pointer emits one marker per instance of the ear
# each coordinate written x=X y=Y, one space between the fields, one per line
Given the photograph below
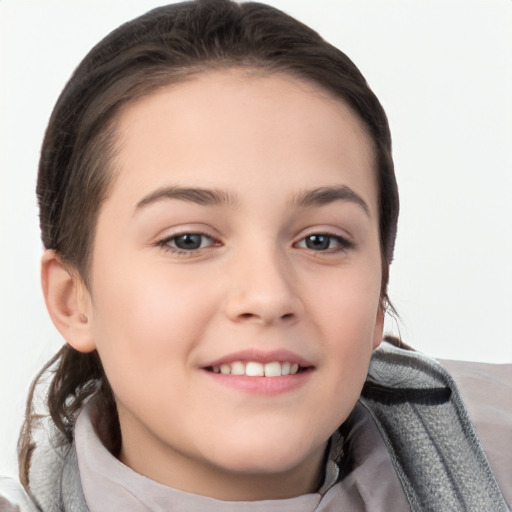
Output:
x=379 y=328
x=68 y=302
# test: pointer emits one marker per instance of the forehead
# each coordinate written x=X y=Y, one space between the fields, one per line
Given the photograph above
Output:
x=235 y=127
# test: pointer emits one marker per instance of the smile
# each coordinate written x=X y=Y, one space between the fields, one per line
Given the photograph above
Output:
x=261 y=372
x=256 y=369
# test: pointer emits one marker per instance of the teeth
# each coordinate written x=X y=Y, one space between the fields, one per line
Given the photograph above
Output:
x=255 y=369
x=273 y=370
x=238 y=368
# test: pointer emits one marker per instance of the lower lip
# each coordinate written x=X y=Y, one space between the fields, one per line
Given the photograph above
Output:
x=262 y=385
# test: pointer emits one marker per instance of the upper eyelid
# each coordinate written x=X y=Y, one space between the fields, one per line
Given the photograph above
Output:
x=165 y=245
x=180 y=230
x=326 y=231
x=342 y=238
x=345 y=243
x=167 y=238
x=206 y=231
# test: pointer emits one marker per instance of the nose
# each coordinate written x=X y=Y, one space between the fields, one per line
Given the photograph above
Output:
x=263 y=290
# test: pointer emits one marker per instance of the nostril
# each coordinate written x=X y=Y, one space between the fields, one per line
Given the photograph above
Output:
x=249 y=316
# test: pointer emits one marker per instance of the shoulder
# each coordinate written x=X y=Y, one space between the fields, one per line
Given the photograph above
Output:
x=13 y=497
x=487 y=393
x=486 y=390
x=484 y=387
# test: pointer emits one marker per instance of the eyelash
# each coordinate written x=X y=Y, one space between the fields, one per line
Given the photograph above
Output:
x=343 y=244
x=165 y=243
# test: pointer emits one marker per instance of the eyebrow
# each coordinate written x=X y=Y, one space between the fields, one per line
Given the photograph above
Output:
x=213 y=197
x=326 y=195
x=202 y=196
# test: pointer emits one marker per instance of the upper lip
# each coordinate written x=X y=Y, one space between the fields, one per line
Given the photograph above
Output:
x=261 y=356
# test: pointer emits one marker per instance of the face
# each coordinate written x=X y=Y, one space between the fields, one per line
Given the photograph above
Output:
x=235 y=281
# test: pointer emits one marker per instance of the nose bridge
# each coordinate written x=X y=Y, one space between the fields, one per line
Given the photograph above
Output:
x=263 y=287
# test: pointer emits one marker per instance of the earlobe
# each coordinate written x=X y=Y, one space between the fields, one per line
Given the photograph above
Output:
x=68 y=302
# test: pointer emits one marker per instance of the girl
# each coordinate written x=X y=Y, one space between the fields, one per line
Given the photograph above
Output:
x=219 y=208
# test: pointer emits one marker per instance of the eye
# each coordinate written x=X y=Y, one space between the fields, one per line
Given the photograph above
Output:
x=324 y=242
x=186 y=242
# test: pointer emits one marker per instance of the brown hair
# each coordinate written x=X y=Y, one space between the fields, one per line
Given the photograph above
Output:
x=165 y=46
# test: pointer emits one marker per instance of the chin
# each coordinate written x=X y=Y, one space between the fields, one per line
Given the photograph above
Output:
x=267 y=455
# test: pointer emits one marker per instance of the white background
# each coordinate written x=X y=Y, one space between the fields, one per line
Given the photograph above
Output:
x=443 y=71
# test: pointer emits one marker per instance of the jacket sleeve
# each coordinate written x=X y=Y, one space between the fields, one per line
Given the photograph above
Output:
x=487 y=393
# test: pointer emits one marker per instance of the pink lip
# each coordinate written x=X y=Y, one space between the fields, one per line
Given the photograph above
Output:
x=262 y=385
x=260 y=356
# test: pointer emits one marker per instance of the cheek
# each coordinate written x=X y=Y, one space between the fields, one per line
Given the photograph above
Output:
x=348 y=301
x=147 y=321
x=347 y=314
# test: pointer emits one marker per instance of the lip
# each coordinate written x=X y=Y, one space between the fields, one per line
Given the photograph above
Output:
x=261 y=356
x=266 y=386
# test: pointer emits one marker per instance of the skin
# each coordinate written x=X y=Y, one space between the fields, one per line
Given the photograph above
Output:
x=158 y=314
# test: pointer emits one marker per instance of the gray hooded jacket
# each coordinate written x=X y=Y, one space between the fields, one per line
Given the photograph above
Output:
x=414 y=448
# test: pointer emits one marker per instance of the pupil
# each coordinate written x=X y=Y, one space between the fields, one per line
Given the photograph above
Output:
x=188 y=241
x=317 y=242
